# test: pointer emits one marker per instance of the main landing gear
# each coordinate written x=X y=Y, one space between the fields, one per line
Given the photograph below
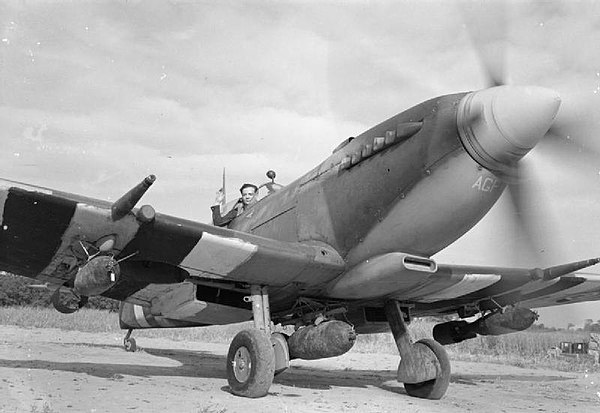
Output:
x=256 y=355
x=424 y=366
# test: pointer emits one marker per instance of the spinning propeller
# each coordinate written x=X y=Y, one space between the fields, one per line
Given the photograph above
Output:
x=503 y=123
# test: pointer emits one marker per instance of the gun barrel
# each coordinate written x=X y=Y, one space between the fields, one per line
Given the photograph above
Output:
x=125 y=204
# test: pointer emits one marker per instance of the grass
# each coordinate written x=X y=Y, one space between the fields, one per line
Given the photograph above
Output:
x=100 y=321
x=526 y=348
x=83 y=320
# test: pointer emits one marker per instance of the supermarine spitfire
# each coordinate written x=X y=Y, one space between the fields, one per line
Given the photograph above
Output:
x=343 y=250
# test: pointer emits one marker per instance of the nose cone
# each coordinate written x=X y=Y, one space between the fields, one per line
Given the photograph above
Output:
x=498 y=126
x=524 y=114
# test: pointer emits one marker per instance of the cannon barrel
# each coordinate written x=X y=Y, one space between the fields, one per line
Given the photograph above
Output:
x=125 y=204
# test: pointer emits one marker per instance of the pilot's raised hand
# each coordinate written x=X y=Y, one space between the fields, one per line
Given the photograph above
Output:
x=220 y=198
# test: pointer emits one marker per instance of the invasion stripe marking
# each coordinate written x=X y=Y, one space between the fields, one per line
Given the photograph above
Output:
x=144 y=296
x=89 y=223
x=32 y=226
x=218 y=255
x=166 y=239
x=138 y=312
x=3 y=195
x=470 y=283
x=533 y=286
x=5 y=186
x=432 y=285
x=588 y=290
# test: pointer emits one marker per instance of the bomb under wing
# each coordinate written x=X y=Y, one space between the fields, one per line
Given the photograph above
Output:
x=328 y=339
x=495 y=324
x=96 y=276
x=509 y=321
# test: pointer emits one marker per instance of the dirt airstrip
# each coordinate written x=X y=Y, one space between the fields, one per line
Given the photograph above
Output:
x=49 y=370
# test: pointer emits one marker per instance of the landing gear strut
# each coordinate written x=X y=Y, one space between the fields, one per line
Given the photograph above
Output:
x=129 y=342
x=424 y=366
x=256 y=355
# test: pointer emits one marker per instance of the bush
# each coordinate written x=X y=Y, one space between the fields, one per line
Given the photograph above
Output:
x=17 y=291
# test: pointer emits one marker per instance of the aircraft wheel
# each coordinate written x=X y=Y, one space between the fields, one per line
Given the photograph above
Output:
x=250 y=364
x=282 y=353
x=436 y=388
x=130 y=345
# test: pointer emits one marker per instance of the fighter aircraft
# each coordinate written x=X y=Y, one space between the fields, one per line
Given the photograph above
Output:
x=343 y=250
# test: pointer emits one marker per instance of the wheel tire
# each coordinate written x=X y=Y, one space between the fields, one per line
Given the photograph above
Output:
x=281 y=353
x=436 y=388
x=130 y=344
x=250 y=364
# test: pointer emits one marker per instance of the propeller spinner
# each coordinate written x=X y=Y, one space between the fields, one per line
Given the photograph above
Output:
x=500 y=125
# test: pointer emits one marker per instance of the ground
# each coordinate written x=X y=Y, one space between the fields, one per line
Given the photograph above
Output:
x=50 y=370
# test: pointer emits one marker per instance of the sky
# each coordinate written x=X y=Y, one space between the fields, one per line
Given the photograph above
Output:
x=94 y=96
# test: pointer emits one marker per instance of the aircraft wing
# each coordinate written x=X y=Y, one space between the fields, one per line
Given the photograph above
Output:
x=50 y=235
x=431 y=288
x=578 y=287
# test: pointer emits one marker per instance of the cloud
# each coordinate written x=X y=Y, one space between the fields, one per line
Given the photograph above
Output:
x=96 y=95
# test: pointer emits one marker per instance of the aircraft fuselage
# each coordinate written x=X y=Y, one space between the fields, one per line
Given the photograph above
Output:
x=415 y=193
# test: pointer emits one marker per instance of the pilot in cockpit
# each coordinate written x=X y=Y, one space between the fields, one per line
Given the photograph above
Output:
x=247 y=199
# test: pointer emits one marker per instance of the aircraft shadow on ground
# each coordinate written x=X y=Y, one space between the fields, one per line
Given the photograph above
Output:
x=198 y=363
x=195 y=363
x=473 y=379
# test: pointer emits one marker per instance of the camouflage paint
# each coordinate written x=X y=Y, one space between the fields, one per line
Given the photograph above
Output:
x=405 y=185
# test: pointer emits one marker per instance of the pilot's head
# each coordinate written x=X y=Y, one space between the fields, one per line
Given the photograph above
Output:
x=248 y=193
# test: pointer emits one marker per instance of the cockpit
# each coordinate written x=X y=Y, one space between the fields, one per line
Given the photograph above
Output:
x=225 y=212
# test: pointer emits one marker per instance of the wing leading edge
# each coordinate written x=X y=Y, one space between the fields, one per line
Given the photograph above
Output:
x=47 y=235
x=431 y=288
